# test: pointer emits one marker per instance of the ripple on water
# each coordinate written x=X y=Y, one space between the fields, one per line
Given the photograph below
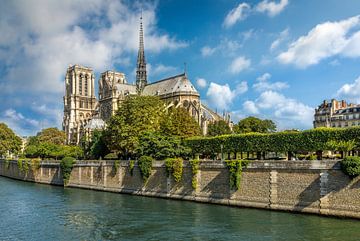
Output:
x=41 y=212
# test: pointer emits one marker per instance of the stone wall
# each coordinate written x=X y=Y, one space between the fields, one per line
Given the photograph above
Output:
x=318 y=187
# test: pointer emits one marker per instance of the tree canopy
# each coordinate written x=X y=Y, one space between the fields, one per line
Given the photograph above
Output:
x=138 y=115
x=52 y=135
x=218 y=128
x=253 y=124
x=8 y=140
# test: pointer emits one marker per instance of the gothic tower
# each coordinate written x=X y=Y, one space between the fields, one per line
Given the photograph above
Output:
x=141 y=79
x=79 y=101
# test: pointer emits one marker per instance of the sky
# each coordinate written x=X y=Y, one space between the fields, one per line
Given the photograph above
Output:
x=273 y=59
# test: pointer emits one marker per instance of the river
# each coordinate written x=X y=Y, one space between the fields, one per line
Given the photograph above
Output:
x=30 y=211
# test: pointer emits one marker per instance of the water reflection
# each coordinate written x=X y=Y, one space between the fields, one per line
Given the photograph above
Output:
x=41 y=212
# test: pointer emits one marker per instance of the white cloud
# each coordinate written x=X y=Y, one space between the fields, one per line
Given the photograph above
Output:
x=271 y=7
x=239 y=64
x=264 y=77
x=201 y=83
x=250 y=107
x=289 y=112
x=18 y=122
x=40 y=39
x=350 y=92
x=236 y=14
x=221 y=96
x=282 y=37
x=163 y=69
x=335 y=62
x=262 y=84
x=207 y=51
x=323 y=41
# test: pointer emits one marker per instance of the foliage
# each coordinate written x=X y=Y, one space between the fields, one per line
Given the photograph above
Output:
x=136 y=115
x=351 y=165
x=344 y=146
x=131 y=166
x=23 y=166
x=116 y=166
x=145 y=165
x=49 y=143
x=140 y=115
x=253 y=124
x=174 y=166
x=309 y=140
x=9 y=142
x=160 y=146
x=235 y=170
x=51 y=135
x=178 y=122
x=111 y=156
x=66 y=166
x=194 y=169
x=94 y=147
x=35 y=164
x=218 y=128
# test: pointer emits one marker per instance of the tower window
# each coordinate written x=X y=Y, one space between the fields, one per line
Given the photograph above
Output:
x=80 y=85
x=86 y=85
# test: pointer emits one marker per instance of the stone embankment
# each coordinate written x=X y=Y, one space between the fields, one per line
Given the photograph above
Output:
x=317 y=187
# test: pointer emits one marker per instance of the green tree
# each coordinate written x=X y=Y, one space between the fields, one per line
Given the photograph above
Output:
x=218 y=128
x=160 y=146
x=51 y=135
x=136 y=115
x=178 y=122
x=8 y=140
x=253 y=124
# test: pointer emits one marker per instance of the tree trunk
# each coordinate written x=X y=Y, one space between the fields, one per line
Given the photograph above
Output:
x=319 y=155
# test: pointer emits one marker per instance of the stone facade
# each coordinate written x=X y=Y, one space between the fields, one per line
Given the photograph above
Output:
x=318 y=187
x=80 y=104
x=79 y=101
x=336 y=113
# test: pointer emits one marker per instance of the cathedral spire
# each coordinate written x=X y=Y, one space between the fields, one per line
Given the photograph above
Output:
x=141 y=78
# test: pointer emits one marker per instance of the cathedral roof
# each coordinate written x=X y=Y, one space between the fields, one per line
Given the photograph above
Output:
x=171 y=85
x=126 y=88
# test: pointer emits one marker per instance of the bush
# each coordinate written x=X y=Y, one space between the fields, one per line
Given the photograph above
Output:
x=309 y=140
x=111 y=156
x=351 y=166
x=194 y=169
x=174 y=166
x=66 y=166
x=145 y=165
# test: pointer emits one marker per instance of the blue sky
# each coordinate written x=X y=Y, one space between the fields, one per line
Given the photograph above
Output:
x=271 y=59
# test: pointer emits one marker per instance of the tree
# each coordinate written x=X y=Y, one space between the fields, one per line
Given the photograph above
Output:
x=51 y=135
x=178 y=122
x=218 y=128
x=9 y=142
x=253 y=124
x=136 y=115
x=160 y=146
x=142 y=114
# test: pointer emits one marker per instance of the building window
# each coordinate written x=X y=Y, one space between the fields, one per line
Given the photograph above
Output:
x=86 y=85
x=81 y=104
x=80 y=84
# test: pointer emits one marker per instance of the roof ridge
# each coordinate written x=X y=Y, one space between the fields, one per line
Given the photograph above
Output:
x=182 y=74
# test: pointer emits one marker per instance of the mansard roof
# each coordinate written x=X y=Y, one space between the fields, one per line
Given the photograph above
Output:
x=171 y=85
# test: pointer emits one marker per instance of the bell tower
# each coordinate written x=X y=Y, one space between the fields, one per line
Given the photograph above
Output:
x=79 y=101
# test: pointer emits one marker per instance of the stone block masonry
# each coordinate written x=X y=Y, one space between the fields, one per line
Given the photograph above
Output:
x=318 y=187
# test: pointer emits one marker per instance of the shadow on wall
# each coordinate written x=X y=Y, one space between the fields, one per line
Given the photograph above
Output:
x=218 y=187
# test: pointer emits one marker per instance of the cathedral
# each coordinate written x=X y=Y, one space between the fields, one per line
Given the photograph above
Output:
x=84 y=113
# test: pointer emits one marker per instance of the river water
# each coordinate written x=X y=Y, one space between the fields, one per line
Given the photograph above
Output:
x=30 y=211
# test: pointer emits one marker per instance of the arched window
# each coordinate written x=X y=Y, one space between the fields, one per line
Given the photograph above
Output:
x=86 y=85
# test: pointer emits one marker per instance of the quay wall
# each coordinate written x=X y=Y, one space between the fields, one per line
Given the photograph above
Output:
x=317 y=187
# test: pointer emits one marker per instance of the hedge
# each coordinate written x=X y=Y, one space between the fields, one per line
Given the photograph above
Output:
x=309 y=140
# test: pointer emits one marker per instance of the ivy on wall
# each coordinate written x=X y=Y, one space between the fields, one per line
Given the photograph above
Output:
x=174 y=166
x=131 y=167
x=194 y=169
x=145 y=165
x=66 y=166
x=116 y=166
x=235 y=171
